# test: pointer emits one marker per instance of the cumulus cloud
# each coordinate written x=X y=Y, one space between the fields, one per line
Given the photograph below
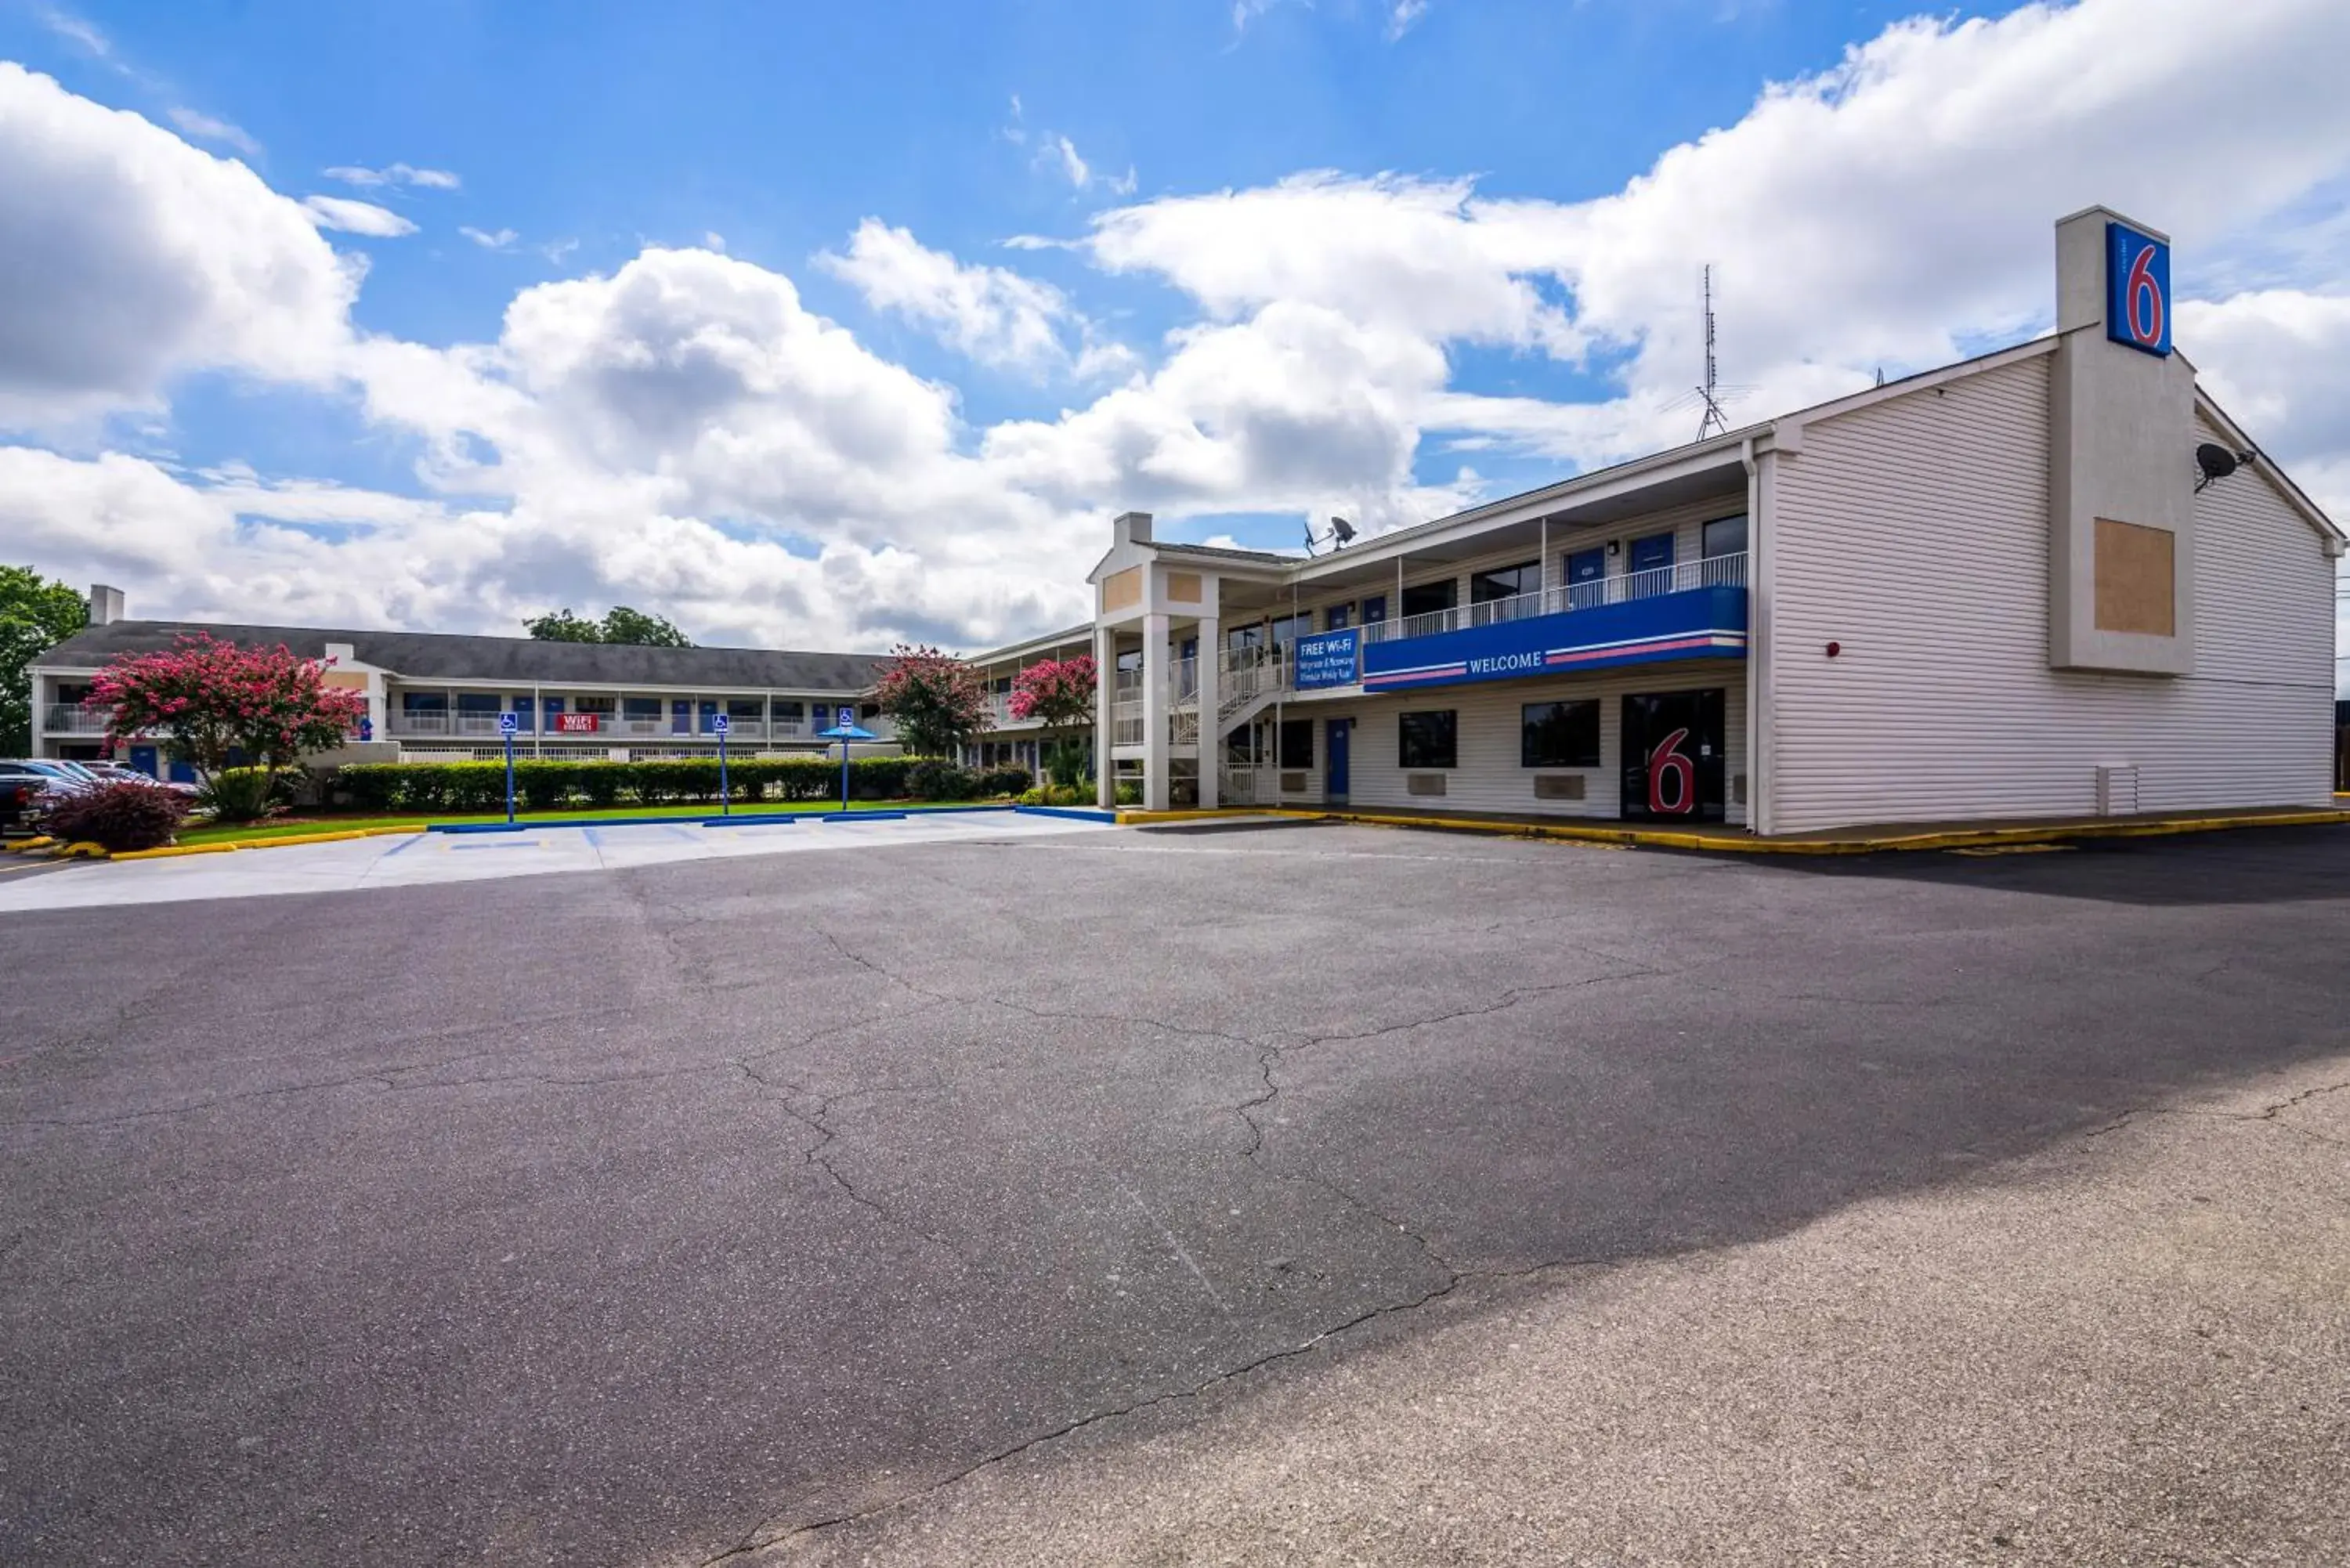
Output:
x=991 y=313
x=133 y=256
x=356 y=217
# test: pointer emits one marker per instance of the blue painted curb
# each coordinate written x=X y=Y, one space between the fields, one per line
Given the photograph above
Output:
x=476 y=827
x=753 y=819
x=1074 y=812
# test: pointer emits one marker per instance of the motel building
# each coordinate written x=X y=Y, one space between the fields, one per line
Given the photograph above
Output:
x=2054 y=581
x=437 y=697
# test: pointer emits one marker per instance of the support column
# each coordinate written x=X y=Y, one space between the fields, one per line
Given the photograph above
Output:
x=1157 y=688
x=1105 y=694
x=1212 y=696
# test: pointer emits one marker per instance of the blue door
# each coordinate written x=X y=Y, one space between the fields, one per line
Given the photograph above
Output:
x=1587 y=578
x=709 y=711
x=1650 y=555
x=1335 y=777
x=142 y=760
x=183 y=773
x=680 y=716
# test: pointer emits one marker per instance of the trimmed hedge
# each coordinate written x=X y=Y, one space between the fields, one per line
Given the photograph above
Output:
x=544 y=784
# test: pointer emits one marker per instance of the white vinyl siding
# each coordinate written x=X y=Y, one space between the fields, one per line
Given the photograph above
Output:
x=1490 y=777
x=1914 y=534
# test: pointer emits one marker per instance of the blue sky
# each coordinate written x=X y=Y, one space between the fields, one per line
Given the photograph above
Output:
x=833 y=321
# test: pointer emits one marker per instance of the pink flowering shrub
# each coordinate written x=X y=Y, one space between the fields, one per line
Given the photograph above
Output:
x=207 y=699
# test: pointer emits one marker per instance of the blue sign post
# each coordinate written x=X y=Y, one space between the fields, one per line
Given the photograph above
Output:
x=719 y=725
x=507 y=724
x=845 y=731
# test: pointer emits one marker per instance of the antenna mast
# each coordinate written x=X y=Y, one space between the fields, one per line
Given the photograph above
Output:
x=1713 y=422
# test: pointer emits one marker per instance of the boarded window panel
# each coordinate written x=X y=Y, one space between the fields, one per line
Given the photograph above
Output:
x=2137 y=568
x=1122 y=590
x=1183 y=588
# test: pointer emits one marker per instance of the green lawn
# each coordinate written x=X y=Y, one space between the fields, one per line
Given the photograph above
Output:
x=347 y=822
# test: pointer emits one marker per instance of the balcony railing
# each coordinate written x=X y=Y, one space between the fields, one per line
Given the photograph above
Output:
x=484 y=726
x=75 y=719
x=1682 y=576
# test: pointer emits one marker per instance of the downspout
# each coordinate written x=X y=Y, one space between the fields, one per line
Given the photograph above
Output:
x=1755 y=684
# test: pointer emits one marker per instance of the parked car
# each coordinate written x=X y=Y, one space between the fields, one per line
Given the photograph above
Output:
x=69 y=777
x=26 y=794
x=115 y=773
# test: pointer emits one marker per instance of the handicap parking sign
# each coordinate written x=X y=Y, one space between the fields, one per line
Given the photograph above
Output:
x=507 y=723
x=719 y=724
x=848 y=717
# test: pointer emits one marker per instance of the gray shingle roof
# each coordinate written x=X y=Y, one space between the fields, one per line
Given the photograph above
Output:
x=500 y=660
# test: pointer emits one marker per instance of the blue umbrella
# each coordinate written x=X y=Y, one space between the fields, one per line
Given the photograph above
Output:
x=845 y=733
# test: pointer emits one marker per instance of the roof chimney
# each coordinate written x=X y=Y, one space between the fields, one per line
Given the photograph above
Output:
x=105 y=605
x=1129 y=528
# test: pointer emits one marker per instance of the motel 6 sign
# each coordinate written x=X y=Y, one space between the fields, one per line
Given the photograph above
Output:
x=2137 y=289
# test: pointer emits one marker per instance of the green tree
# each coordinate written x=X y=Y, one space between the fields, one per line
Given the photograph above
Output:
x=562 y=626
x=36 y=615
x=631 y=627
x=937 y=701
x=637 y=630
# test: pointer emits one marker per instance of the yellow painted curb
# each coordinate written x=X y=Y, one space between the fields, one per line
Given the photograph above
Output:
x=26 y=846
x=1133 y=817
x=1864 y=844
x=223 y=846
x=171 y=851
x=84 y=850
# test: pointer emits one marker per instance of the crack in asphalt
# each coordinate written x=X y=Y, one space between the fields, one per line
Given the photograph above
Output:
x=759 y=1542
x=813 y=1154
x=2272 y=1114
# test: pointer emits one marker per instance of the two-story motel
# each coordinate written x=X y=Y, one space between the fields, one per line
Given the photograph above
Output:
x=2052 y=581
x=434 y=696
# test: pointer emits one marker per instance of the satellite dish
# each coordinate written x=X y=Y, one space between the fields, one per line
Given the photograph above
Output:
x=1343 y=529
x=2214 y=461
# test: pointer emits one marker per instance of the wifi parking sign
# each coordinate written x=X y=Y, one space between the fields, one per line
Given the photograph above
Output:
x=2137 y=289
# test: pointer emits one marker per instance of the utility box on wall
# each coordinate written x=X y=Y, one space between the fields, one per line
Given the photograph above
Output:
x=2121 y=514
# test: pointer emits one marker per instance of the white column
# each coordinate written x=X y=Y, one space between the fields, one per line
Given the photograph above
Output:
x=1155 y=689
x=1211 y=740
x=1105 y=694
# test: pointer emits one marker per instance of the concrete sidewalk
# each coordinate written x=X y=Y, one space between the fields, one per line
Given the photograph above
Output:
x=413 y=858
x=2132 y=1349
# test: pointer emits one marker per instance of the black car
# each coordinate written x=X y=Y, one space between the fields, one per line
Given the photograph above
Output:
x=26 y=795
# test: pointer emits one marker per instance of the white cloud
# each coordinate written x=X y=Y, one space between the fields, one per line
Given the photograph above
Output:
x=1402 y=14
x=78 y=31
x=1061 y=149
x=394 y=174
x=683 y=432
x=503 y=239
x=211 y=128
x=993 y=314
x=356 y=217
x=133 y=257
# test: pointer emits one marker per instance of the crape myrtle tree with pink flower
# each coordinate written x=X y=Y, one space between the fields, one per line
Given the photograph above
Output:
x=240 y=716
x=1059 y=693
x=937 y=703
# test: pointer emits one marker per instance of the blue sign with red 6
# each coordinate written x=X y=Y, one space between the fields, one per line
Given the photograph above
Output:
x=2137 y=289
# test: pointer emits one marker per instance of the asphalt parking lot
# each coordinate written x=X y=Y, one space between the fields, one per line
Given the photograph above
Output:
x=813 y=1206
